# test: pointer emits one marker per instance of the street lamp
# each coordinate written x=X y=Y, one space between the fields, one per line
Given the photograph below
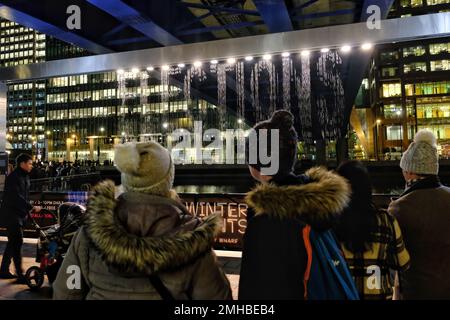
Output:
x=377 y=139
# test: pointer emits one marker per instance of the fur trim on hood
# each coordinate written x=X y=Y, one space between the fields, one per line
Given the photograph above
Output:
x=133 y=254
x=316 y=203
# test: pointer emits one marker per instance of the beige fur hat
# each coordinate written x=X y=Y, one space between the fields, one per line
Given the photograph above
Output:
x=146 y=167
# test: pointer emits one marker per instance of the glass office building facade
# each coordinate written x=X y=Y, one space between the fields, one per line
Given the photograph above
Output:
x=25 y=100
x=410 y=86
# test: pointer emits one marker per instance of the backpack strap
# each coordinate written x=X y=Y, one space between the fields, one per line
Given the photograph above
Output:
x=305 y=232
x=161 y=288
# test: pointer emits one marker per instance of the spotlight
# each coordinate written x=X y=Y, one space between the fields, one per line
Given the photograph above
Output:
x=214 y=61
x=135 y=70
x=231 y=60
x=285 y=54
x=165 y=67
x=248 y=58
x=197 y=64
x=305 y=53
x=150 y=68
x=165 y=125
x=367 y=46
x=346 y=48
x=324 y=50
x=181 y=65
x=267 y=57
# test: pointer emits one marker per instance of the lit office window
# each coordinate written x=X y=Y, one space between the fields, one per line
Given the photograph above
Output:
x=436 y=2
x=413 y=51
x=392 y=111
x=391 y=90
x=428 y=88
x=433 y=111
x=440 y=65
x=415 y=67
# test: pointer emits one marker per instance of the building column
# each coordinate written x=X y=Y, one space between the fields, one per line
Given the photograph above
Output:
x=341 y=150
x=321 y=152
x=68 y=147
x=91 y=149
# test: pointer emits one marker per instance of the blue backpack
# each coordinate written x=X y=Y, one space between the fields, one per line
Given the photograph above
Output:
x=327 y=276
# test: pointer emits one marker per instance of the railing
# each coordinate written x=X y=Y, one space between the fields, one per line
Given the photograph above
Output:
x=79 y=182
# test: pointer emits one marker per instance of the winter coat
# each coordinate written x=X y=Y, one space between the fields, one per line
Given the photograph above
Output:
x=423 y=212
x=16 y=199
x=274 y=256
x=125 y=240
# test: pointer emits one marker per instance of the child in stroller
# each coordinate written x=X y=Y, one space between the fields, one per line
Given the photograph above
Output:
x=53 y=243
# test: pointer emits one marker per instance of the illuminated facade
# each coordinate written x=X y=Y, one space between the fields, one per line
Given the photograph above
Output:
x=410 y=86
x=26 y=100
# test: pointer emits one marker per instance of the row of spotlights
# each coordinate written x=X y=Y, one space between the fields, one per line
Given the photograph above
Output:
x=304 y=53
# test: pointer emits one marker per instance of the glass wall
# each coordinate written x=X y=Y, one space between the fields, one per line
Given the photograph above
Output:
x=411 y=3
x=440 y=65
x=389 y=71
x=415 y=67
x=414 y=51
x=428 y=88
x=437 y=48
x=436 y=2
x=391 y=90
x=392 y=111
x=394 y=132
x=389 y=56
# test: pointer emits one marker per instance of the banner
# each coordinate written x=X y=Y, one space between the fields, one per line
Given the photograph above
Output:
x=231 y=208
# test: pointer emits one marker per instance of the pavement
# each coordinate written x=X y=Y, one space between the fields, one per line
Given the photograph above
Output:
x=230 y=262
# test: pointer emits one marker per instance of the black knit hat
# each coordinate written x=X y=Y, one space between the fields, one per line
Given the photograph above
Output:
x=283 y=121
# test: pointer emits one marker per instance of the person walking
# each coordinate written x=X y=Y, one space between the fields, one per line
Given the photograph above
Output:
x=423 y=212
x=371 y=238
x=274 y=256
x=14 y=213
x=144 y=244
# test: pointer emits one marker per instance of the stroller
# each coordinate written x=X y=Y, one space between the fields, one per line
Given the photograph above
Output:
x=53 y=243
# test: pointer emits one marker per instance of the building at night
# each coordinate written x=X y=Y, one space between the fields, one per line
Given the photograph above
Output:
x=409 y=87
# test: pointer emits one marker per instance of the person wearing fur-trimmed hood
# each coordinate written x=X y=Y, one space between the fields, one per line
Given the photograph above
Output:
x=274 y=257
x=142 y=235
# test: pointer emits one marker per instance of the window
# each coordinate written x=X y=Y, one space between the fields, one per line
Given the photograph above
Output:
x=413 y=51
x=428 y=88
x=430 y=111
x=392 y=111
x=394 y=132
x=411 y=3
x=435 y=2
x=415 y=67
x=440 y=65
x=391 y=90
x=437 y=48
x=389 y=72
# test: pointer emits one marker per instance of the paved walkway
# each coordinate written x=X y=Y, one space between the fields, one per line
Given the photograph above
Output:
x=229 y=261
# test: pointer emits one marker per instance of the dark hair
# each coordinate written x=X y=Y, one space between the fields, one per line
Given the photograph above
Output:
x=23 y=157
x=358 y=220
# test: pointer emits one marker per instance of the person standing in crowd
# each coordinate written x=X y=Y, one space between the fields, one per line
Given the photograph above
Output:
x=423 y=211
x=144 y=244
x=371 y=238
x=14 y=213
x=274 y=257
